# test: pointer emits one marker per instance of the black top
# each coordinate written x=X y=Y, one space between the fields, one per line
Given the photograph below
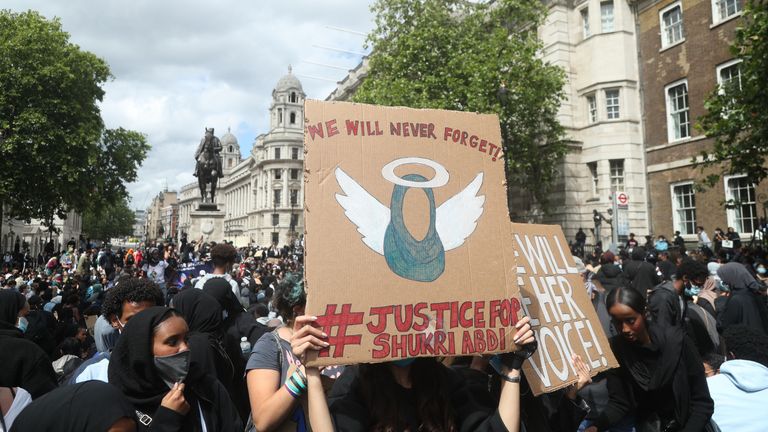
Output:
x=350 y=413
x=132 y=370
x=641 y=276
x=88 y=406
x=665 y=378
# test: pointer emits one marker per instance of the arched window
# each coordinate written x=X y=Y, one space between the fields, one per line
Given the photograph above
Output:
x=279 y=116
x=293 y=97
x=293 y=118
x=231 y=149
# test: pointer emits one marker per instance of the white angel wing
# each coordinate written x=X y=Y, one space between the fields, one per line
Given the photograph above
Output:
x=369 y=215
x=456 y=219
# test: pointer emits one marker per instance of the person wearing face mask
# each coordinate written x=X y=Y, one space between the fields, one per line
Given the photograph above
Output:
x=745 y=305
x=761 y=272
x=151 y=366
x=90 y=406
x=22 y=363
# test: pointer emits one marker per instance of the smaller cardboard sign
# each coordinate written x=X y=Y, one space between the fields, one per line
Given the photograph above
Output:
x=562 y=316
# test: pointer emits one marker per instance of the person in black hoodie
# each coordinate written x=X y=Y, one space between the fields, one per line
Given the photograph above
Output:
x=203 y=315
x=640 y=274
x=745 y=305
x=661 y=377
x=22 y=363
x=88 y=406
x=610 y=275
x=151 y=366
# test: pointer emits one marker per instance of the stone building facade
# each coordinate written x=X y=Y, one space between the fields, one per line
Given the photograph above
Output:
x=19 y=236
x=262 y=195
x=161 y=220
x=684 y=46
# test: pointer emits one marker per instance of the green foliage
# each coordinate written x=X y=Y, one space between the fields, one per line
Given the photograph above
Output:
x=55 y=154
x=471 y=56
x=737 y=116
x=104 y=223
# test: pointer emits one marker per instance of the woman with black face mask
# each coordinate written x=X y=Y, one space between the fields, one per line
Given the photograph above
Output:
x=151 y=366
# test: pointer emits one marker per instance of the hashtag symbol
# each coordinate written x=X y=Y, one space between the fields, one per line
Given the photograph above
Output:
x=339 y=339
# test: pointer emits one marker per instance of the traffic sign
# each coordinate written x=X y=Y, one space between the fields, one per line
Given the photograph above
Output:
x=622 y=199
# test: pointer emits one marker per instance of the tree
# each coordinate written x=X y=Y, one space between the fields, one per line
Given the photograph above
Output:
x=55 y=154
x=474 y=56
x=106 y=222
x=737 y=112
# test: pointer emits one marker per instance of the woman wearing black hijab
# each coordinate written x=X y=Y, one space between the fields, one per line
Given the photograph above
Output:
x=22 y=363
x=88 y=406
x=745 y=305
x=203 y=315
x=150 y=365
x=237 y=324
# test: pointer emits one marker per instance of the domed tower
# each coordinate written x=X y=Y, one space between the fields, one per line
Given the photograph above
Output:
x=287 y=109
x=230 y=151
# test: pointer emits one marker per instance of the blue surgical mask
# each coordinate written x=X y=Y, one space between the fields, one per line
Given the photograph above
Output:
x=404 y=362
x=23 y=324
x=692 y=290
x=762 y=270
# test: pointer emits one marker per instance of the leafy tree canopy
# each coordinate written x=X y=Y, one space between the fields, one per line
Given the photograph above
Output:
x=55 y=154
x=737 y=114
x=104 y=223
x=479 y=57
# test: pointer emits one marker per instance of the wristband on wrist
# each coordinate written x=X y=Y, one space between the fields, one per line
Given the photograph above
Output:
x=297 y=383
x=299 y=379
x=290 y=391
x=498 y=366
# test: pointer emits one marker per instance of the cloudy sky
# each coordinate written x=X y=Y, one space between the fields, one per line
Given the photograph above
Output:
x=182 y=65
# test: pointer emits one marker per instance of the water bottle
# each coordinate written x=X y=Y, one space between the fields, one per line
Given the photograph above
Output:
x=245 y=346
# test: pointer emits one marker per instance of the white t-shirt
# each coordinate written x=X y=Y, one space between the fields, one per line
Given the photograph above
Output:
x=233 y=283
x=22 y=399
x=157 y=272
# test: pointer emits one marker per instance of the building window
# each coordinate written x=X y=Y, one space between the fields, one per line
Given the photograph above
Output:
x=724 y=9
x=278 y=174
x=585 y=22
x=275 y=238
x=293 y=97
x=231 y=149
x=671 y=24
x=294 y=197
x=294 y=153
x=595 y=179
x=742 y=211
x=678 y=115
x=684 y=208
x=277 y=153
x=276 y=198
x=294 y=221
x=275 y=219
x=606 y=16
x=279 y=116
x=293 y=118
x=592 y=107
x=294 y=174
x=729 y=74
x=612 y=104
x=231 y=161
x=617 y=175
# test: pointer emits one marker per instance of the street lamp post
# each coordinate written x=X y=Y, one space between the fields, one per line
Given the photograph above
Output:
x=275 y=221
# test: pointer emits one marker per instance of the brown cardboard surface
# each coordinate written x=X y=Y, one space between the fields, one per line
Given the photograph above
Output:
x=562 y=316
x=379 y=292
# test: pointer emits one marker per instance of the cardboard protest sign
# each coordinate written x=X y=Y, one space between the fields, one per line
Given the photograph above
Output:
x=408 y=244
x=562 y=315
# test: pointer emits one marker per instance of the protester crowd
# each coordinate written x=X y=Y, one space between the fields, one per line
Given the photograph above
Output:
x=208 y=337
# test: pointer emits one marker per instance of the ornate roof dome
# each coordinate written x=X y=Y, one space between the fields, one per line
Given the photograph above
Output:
x=228 y=139
x=288 y=82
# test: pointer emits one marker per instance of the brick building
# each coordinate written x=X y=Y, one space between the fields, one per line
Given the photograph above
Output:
x=684 y=54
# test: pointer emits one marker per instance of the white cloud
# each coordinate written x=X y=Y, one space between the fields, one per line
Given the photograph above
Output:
x=182 y=65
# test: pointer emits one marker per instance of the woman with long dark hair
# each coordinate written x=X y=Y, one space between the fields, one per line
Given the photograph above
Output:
x=660 y=381
x=151 y=366
x=417 y=394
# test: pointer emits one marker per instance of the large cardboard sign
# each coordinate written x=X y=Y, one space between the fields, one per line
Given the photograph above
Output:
x=408 y=245
x=562 y=315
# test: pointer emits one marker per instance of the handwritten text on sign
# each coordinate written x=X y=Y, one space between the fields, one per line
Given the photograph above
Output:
x=562 y=316
x=432 y=329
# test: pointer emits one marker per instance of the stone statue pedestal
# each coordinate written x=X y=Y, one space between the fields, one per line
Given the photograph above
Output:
x=206 y=222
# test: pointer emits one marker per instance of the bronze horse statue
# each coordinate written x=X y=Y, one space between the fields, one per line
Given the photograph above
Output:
x=208 y=169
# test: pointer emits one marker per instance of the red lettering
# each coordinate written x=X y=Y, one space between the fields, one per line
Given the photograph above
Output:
x=414 y=129
x=315 y=130
x=515 y=305
x=482 y=146
x=473 y=141
x=479 y=314
x=464 y=136
x=463 y=320
x=394 y=129
x=431 y=131
x=479 y=340
x=438 y=309
x=381 y=344
x=403 y=320
x=491 y=148
x=467 y=347
x=454 y=314
x=418 y=313
x=406 y=131
x=381 y=324
x=352 y=127
x=492 y=340
x=378 y=129
x=330 y=126
x=456 y=135
x=495 y=306
x=399 y=347
x=446 y=133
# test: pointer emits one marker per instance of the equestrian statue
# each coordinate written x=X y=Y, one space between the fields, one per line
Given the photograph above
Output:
x=208 y=169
